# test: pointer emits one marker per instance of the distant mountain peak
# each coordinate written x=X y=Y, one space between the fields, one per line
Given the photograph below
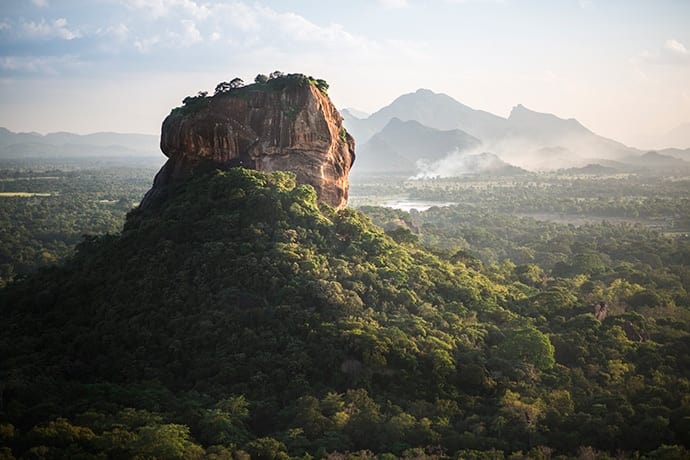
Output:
x=402 y=143
x=522 y=111
x=431 y=109
x=426 y=94
x=521 y=115
x=350 y=112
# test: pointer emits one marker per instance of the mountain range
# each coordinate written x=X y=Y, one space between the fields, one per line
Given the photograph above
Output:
x=421 y=133
x=22 y=145
x=425 y=130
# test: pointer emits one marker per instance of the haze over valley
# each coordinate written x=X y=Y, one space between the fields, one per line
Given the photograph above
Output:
x=432 y=135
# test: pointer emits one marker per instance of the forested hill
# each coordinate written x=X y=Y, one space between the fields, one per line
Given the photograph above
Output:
x=242 y=317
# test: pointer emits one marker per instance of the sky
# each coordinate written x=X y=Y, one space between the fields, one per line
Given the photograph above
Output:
x=621 y=67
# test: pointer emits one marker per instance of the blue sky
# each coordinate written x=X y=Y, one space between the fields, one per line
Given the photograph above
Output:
x=620 y=67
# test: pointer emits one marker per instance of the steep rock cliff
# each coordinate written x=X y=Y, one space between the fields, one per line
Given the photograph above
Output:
x=286 y=124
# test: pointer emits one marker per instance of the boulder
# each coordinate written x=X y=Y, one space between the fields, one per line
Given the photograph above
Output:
x=285 y=124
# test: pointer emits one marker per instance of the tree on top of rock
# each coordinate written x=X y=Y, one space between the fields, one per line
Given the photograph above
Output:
x=224 y=86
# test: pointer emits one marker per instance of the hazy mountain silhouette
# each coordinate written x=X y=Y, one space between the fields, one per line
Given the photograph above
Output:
x=14 y=145
x=677 y=153
x=658 y=162
x=591 y=169
x=402 y=144
x=434 y=110
x=547 y=127
x=528 y=139
x=544 y=141
x=353 y=113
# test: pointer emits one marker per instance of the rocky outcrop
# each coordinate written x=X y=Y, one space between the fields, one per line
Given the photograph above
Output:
x=286 y=124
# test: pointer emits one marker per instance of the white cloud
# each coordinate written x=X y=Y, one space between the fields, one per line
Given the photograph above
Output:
x=196 y=10
x=585 y=4
x=238 y=16
x=190 y=33
x=4 y=25
x=393 y=3
x=155 y=8
x=186 y=35
x=300 y=29
x=239 y=23
x=40 y=3
x=55 y=29
x=253 y=35
x=144 y=45
x=120 y=31
x=672 y=52
x=676 y=47
x=476 y=1
x=293 y=27
x=243 y=17
x=162 y=8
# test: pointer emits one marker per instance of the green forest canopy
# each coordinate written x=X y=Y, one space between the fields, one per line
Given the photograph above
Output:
x=241 y=316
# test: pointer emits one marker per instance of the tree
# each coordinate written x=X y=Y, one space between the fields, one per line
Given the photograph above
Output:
x=267 y=449
x=645 y=298
x=61 y=433
x=194 y=101
x=275 y=74
x=521 y=413
x=167 y=441
x=529 y=346
x=588 y=263
x=322 y=85
x=260 y=78
x=217 y=426
x=531 y=275
x=223 y=87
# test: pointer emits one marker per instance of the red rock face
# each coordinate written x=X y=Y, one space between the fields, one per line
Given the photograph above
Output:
x=295 y=128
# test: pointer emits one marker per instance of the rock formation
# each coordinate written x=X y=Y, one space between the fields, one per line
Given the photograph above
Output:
x=601 y=310
x=285 y=124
